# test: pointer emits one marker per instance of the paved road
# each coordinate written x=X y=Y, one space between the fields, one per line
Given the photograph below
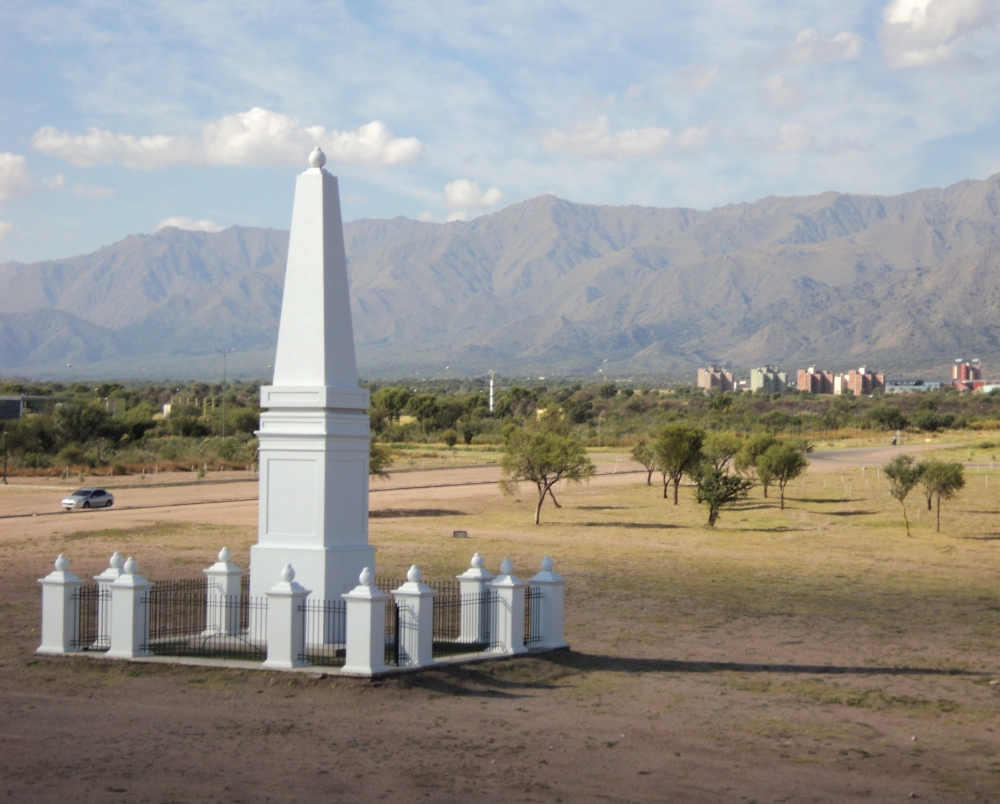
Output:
x=836 y=460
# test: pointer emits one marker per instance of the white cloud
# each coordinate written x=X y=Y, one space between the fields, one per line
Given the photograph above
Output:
x=189 y=225
x=6 y=227
x=256 y=137
x=463 y=194
x=15 y=181
x=693 y=137
x=459 y=215
x=793 y=137
x=426 y=216
x=696 y=77
x=596 y=140
x=778 y=93
x=916 y=32
x=810 y=46
x=58 y=182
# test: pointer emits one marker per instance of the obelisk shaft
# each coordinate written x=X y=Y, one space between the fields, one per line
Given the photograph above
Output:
x=314 y=436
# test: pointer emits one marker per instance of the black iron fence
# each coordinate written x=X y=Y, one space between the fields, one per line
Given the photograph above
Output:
x=325 y=632
x=532 y=616
x=463 y=623
x=92 y=606
x=184 y=620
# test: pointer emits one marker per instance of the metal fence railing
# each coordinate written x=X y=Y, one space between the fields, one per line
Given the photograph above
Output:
x=184 y=620
x=463 y=623
x=532 y=616
x=92 y=606
x=325 y=632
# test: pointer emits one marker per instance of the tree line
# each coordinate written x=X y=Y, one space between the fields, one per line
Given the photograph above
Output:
x=722 y=465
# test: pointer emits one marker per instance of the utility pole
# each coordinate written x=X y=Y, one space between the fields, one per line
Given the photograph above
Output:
x=492 y=374
x=5 y=455
x=224 y=387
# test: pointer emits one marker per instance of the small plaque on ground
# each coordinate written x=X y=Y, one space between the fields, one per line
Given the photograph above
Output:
x=460 y=534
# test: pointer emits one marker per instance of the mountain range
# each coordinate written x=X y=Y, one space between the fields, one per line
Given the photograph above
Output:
x=903 y=283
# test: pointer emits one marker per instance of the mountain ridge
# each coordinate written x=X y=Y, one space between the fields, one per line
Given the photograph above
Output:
x=550 y=286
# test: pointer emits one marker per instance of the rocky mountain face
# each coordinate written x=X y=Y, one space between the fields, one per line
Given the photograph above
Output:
x=904 y=283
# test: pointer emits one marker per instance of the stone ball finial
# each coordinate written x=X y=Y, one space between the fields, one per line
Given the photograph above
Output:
x=317 y=158
x=414 y=576
x=116 y=560
x=506 y=567
x=288 y=574
x=130 y=566
x=62 y=563
x=547 y=564
x=225 y=555
x=477 y=561
x=366 y=577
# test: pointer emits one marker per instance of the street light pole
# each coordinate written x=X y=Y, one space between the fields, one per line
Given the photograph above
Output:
x=70 y=366
x=224 y=387
x=5 y=455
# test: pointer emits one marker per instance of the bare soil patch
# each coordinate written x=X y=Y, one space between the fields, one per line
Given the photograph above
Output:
x=783 y=656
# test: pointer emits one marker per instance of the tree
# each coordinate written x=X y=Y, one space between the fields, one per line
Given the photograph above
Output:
x=379 y=459
x=745 y=461
x=450 y=437
x=941 y=480
x=782 y=462
x=391 y=401
x=678 y=450
x=543 y=458
x=719 y=448
x=644 y=453
x=903 y=474
x=718 y=488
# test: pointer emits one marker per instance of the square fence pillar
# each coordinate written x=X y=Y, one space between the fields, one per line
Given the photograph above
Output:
x=286 y=621
x=509 y=620
x=222 y=597
x=60 y=609
x=104 y=581
x=474 y=587
x=416 y=621
x=365 y=628
x=551 y=584
x=129 y=614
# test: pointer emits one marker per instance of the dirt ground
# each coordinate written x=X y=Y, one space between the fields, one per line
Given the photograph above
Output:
x=811 y=654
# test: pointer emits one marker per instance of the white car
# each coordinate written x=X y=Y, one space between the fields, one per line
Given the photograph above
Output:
x=89 y=498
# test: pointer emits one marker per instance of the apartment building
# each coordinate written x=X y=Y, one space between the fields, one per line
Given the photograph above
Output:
x=715 y=378
x=859 y=381
x=768 y=379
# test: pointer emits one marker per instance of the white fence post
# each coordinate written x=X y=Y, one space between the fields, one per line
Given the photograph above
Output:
x=551 y=585
x=365 y=649
x=286 y=638
x=509 y=632
x=130 y=614
x=104 y=581
x=475 y=625
x=416 y=621
x=60 y=609
x=222 y=594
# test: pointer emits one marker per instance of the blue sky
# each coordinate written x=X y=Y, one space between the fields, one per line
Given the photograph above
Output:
x=118 y=118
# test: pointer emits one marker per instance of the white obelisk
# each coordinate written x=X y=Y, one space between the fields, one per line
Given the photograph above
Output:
x=314 y=436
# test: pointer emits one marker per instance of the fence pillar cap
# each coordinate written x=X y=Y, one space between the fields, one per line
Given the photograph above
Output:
x=548 y=574
x=61 y=574
x=114 y=569
x=287 y=586
x=224 y=566
x=476 y=572
x=130 y=578
x=414 y=585
x=366 y=589
x=507 y=578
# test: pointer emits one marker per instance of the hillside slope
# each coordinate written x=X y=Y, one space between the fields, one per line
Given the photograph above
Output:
x=905 y=282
